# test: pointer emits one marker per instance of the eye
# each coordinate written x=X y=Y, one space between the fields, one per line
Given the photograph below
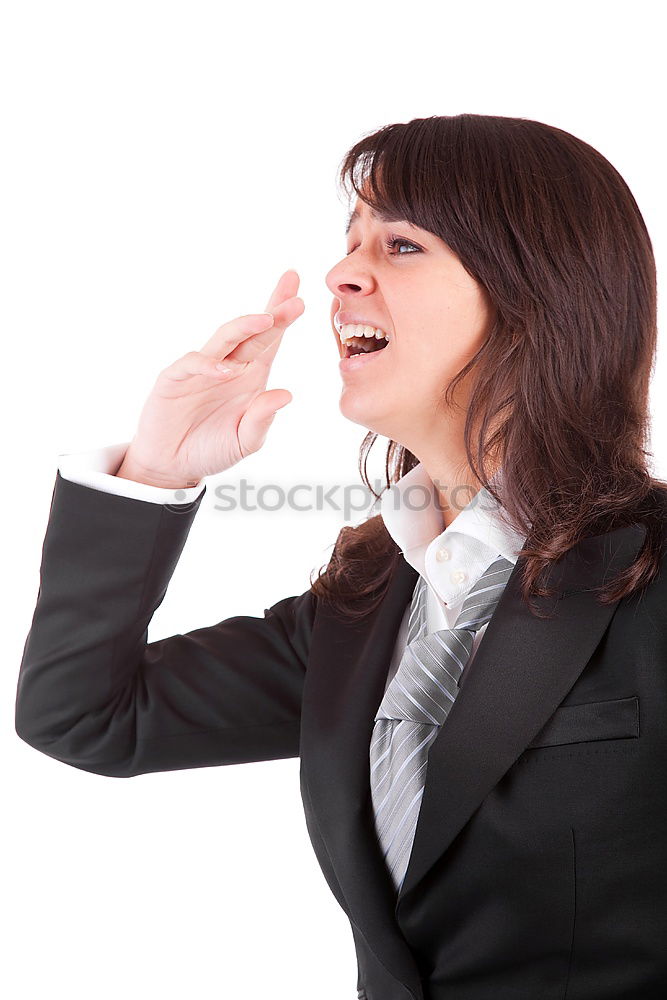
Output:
x=393 y=241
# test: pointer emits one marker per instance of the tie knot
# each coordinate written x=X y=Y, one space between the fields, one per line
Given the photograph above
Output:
x=427 y=680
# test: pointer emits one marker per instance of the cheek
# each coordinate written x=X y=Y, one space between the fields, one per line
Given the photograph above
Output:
x=453 y=337
x=433 y=360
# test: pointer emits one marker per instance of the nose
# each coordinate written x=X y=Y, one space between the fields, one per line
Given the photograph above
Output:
x=347 y=278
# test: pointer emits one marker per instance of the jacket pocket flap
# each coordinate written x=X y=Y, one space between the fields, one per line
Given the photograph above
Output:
x=595 y=720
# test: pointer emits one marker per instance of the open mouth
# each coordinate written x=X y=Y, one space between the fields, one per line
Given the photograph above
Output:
x=363 y=345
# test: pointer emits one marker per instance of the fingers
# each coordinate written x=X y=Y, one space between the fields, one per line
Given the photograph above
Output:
x=260 y=346
x=255 y=332
x=255 y=422
x=196 y=363
x=228 y=336
x=287 y=287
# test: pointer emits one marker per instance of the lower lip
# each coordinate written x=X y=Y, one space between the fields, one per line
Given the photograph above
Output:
x=360 y=360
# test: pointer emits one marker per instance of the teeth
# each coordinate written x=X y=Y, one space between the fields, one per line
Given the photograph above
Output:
x=350 y=330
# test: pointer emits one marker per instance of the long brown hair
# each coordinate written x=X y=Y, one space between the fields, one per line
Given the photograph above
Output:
x=552 y=232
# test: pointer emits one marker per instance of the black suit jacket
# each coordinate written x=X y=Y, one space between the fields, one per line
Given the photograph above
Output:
x=539 y=865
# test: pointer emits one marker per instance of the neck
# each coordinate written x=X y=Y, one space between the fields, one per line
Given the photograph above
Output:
x=442 y=454
x=446 y=462
x=454 y=482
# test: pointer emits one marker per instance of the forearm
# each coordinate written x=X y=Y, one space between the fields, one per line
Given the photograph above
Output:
x=106 y=564
x=95 y=694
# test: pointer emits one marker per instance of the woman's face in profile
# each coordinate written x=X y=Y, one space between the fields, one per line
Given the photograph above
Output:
x=407 y=282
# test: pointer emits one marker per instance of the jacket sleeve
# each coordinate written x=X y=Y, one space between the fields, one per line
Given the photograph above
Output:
x=94 y=694
x=97 y=468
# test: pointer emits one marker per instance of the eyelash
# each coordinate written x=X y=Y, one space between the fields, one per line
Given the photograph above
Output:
x=392 y=241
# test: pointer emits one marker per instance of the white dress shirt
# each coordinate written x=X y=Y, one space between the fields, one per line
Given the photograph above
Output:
x=451 y=559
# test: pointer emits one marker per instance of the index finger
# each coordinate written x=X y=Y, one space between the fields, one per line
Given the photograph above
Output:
x=254 y=332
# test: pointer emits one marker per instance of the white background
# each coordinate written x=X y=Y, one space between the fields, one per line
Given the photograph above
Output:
x=163 y=164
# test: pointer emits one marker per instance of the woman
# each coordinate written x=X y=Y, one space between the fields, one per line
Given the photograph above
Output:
x=489 y=814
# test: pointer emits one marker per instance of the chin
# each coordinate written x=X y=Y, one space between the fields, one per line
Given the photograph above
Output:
x=356 y=407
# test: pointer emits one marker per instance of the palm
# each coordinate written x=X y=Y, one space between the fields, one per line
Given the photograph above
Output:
x=194 y=425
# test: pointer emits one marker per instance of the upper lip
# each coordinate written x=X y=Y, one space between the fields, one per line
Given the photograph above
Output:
x=343 y=317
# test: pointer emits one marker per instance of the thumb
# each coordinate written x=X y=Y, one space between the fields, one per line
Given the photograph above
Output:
x=255 y=422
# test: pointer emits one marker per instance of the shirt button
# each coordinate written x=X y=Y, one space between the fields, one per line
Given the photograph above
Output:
x=442 y=554
x=458 y=576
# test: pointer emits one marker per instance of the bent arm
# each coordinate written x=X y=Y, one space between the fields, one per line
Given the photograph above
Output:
x=94 y=694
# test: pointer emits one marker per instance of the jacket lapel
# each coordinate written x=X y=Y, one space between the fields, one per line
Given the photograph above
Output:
x=522 y=670
x=343 y=687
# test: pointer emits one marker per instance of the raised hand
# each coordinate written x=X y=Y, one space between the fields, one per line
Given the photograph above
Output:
x=210 y=408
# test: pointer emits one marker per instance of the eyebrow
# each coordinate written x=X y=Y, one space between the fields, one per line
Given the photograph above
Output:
x=382 y=216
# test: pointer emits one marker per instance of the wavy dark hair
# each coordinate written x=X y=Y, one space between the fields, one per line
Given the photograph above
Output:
x=560 y=399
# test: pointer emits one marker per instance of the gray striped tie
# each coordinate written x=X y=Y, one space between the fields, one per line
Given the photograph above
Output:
x=415 y=705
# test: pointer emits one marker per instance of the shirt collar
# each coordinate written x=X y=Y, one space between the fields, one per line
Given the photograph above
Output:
x=412 y=516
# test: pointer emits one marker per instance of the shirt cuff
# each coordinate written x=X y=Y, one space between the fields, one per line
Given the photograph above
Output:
x=97 y=469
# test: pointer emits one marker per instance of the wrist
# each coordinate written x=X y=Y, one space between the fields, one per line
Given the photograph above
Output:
x=129 y=469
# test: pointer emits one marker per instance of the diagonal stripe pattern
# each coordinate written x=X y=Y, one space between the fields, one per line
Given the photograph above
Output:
x=415 y=705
